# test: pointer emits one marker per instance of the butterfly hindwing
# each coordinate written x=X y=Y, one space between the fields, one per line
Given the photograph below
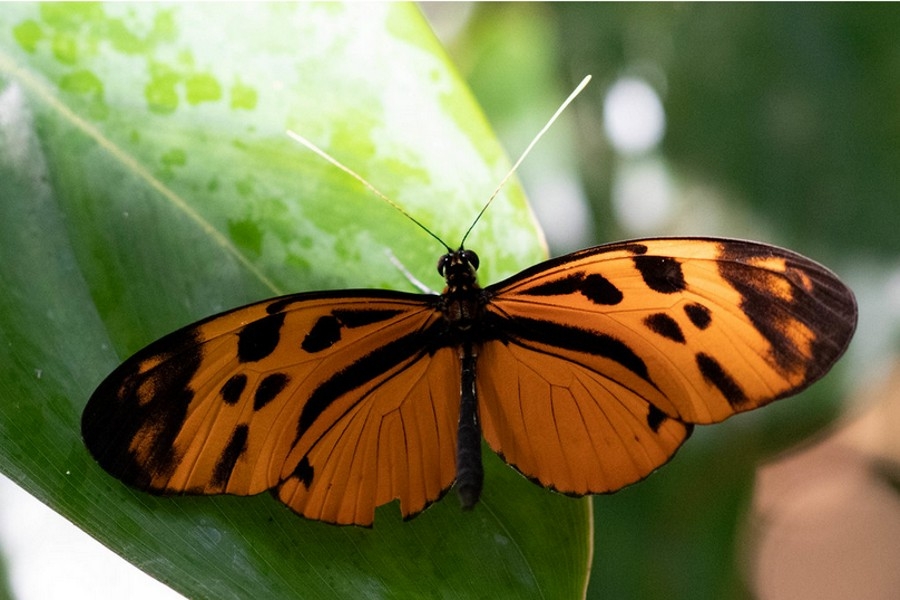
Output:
x=301 y=394
x=565 y=426
x=605 y=357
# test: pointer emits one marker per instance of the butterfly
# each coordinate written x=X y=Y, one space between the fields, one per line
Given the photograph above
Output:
x=585 y=372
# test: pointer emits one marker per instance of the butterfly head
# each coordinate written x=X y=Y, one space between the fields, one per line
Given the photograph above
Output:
x=459 y=270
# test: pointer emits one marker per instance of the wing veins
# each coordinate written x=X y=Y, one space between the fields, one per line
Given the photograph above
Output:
x=524 y=343
x=406 y=350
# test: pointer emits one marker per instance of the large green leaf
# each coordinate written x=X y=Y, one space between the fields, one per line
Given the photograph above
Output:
x=146 y=181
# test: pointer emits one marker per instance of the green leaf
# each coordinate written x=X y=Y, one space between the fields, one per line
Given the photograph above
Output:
x=146 y=181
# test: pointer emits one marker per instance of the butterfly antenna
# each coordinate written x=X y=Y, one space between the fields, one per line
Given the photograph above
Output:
x=299 y=138
x=540 y=134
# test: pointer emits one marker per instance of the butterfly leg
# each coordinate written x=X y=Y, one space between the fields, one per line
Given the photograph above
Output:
x=469 y=470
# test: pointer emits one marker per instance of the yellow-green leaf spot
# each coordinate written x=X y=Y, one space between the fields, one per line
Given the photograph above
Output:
x=123 y=39
x=247 y=235
x=83 y=83
x=88 y=86
x=243 y=97
x=27 y=34
x=65 y=48
x=71 y=16
x=244 y=187
x=164 y=28
x=175 y=157
x=160 y=93
x=202 y=88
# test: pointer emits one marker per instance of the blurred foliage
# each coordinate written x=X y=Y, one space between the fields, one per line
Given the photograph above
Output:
x=787 y=116
x=790 y=109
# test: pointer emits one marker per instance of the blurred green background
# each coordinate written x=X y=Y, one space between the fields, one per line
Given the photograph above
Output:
x=779 y=122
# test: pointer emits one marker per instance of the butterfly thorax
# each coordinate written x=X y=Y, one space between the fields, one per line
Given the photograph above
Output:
x=461 y=300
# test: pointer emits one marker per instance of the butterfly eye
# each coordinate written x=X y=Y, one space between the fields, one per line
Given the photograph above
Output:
x=443 y=263
x=470 y=257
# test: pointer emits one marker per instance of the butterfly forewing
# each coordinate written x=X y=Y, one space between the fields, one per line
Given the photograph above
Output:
x=339 y=393
x=605 y=357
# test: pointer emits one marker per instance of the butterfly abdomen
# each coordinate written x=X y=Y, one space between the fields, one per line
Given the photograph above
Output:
x=469 y=467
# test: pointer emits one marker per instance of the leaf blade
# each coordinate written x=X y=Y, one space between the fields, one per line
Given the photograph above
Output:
x=142 y=202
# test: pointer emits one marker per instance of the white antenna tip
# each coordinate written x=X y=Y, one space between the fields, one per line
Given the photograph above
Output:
x=534 y=141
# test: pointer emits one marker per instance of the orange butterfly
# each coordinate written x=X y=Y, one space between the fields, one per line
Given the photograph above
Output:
x=585 y=372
